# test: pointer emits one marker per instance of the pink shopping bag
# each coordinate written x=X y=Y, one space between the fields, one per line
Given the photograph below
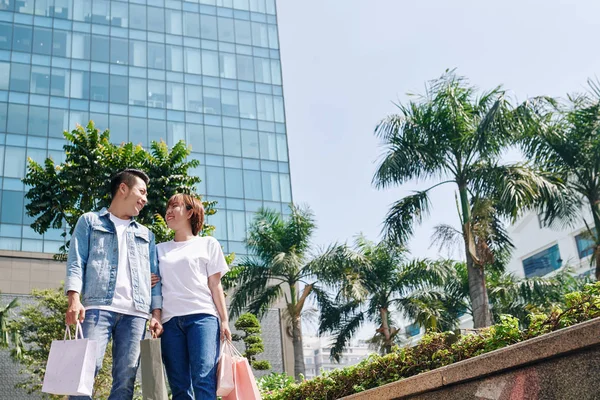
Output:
x=245 y=387
x=225 y=382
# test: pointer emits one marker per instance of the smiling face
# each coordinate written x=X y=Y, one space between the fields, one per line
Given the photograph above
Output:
x=177 y=215
x=134 y=198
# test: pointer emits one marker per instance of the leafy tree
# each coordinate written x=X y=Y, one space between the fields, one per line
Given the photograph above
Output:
x=453 y=136
x=281 y=268
x=248 y=323
x=563 y=137
x=391 y=284
x=9 y=334
x=83 y=181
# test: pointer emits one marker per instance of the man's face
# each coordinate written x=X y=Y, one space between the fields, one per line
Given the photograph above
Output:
x=135 y=197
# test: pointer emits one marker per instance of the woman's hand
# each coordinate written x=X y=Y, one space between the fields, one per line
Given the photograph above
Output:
x=225 y=331
x=154 y=279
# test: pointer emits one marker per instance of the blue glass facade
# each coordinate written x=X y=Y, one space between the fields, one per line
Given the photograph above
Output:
x=206 y=71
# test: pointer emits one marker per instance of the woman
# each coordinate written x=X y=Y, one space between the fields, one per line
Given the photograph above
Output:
x=194 y=314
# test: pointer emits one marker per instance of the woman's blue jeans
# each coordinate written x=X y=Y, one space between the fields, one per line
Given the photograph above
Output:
x=190 y=350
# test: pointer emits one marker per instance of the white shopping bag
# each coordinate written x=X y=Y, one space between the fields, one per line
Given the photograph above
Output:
x=71 y=365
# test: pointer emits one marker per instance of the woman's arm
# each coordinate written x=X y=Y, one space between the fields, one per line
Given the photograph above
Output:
x=216 y=289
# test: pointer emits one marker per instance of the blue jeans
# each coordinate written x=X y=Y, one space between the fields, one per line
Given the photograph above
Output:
x=126 y=332
x=190 y=350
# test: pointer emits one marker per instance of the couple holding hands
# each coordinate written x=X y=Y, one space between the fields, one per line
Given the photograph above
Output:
x=114 y=286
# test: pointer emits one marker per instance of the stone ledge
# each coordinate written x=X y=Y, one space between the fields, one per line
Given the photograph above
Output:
x=26 y=254
x=561 y=342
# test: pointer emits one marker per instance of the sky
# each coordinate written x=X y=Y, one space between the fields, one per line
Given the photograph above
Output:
x=345 y=62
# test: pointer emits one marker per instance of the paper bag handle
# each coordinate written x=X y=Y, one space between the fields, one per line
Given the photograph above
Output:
x=78 y=332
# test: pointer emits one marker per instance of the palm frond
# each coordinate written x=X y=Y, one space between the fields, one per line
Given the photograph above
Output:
x=400 y=220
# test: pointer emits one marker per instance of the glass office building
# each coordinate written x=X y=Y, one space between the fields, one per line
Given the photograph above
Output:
x=205 y=71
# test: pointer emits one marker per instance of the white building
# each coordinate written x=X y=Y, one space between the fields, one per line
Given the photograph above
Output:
x=317 y=350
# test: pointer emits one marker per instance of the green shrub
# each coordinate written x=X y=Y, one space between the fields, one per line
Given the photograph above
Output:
x=439 y=349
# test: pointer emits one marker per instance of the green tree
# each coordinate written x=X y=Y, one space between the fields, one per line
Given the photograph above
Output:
x=9 y=334
x=249 y=324
x=392 y=284
x=453 y=136
x=83 y=181
x=281 y=268
x=563 y=137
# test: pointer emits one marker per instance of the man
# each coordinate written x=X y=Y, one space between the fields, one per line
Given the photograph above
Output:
x=111 y=257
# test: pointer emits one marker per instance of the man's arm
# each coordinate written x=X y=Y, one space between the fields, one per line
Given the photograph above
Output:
x=76 y=263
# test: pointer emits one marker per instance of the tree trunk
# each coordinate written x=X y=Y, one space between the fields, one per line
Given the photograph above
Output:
x=298 y=349
x=482 y=316
x=385 y=330
x=594 y=203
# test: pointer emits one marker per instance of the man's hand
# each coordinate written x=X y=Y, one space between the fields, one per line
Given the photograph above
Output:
x=154 y=279
x=225 y=331
x=76 y=311
x=156 y=327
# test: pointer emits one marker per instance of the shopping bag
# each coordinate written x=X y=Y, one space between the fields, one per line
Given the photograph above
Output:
x=245 y=387
x=225 y=370
x=154 y=386
x=71 y=365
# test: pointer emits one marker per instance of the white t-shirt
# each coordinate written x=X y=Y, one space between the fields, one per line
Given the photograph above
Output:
x=123 y=298
x=184 y=270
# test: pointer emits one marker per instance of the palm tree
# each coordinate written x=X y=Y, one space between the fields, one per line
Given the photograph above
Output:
x=564 y=138
x=454 y=137
x=392 y=284
x=281 y=267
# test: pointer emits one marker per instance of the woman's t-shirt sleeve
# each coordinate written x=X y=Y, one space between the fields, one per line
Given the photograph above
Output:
x=217 y=261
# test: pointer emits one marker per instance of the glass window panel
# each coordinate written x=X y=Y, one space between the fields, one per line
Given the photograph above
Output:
x=229 y=101
x=3 y=117
x=260 y=35
x=22 y=36
x=157 y=130
x=214 y=139
x=252 y=185
x=119 y=53
x=118 y=89
x=78 y=117
x=250 y=144
x=242 y=32
x=270 y=182
x=100 y=12
x=156 y=55
x=156 y=94
x=271 y=7
x=175 y=132
x=225 y=3
x=61 y=44
x=210 y=63
x=275 y=72
x=99 y=86
x=12 y=206
x=226 y=32
x=212 y=100
x=24 y=6
x=40 y=80
x=156 y=19
x=245 y=68
x=137 y=16
x=59 y=122
x=227 y=66
x=17 y=119
x=14 y=163
x=175 y=97
x=173 y=22
x=174 y=58
x=273 y=39
x=5 y=35
x=236 y=225
x=101 y=121
x=247 y=105
x=119 y=14
x=264 y=107
x=137 y=53
x=193 y=98
x=63 y=9
x=268 y=146
x=208 y=27
x=138 y=132
x=258 y=6
x=282 y=153
x=80 y=84
x=585 y=243
x=233 y=142
x=37 y=155
x=193 y=64
x=234 y=184
x=286 y=188
x=215 y=181
x=81 y=46
x=42 y=41
x=543 y=262
x=42 y=7
x=19 y=77
x=190 y=24
x=219 y=221
x=118 y=129
x=82 y=10
x=4 y=75
x=279 y=113
x=137 y=92
x=262 y=70
x=241 y=4
x=59 y=82
x=194 y=134
x=100 y=48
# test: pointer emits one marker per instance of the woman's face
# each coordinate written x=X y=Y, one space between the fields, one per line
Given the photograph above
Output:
x=177 y=216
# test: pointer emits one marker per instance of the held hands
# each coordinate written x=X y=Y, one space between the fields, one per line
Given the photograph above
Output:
x=225 y=331
x=76 y=311
x=154 y=280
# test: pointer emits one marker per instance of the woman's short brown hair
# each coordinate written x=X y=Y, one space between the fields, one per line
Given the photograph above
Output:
x=191 y=203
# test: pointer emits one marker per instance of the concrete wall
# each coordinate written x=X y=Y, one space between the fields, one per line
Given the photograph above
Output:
x=22 y=271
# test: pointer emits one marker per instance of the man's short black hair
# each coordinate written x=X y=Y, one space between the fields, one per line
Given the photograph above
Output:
x=127 y=176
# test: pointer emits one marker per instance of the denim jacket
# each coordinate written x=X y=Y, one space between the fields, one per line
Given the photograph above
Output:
x=94 y=256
